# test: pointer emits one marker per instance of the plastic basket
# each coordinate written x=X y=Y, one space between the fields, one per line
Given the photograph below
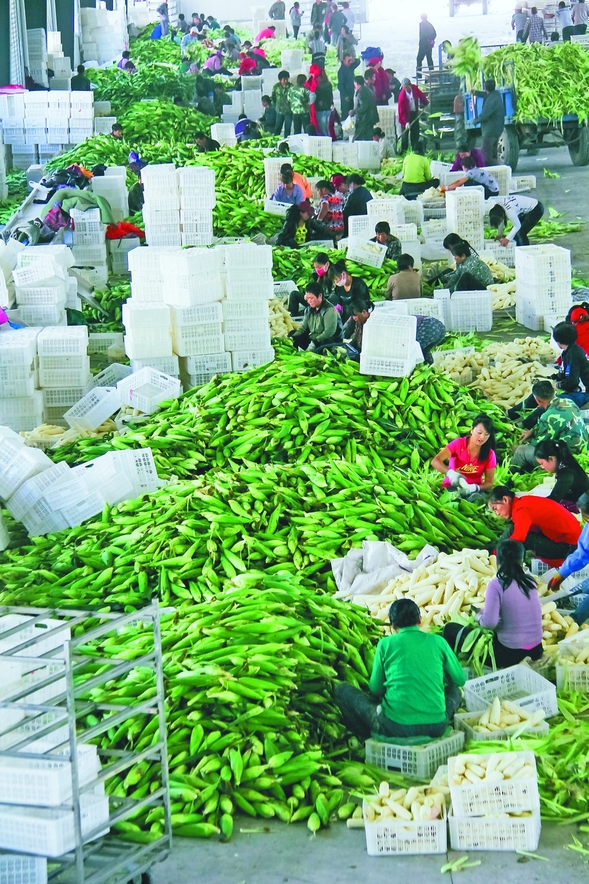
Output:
x=259 y=286
x=388 y=368
x=145 y=389
x=137 y=316
x=519 y=683
x=243 y=360
x=247 y=310
x=198 y=344
x=20 y=407
x=317 y=146
x=554 y=297
x=526 y=315
x=63 y=341
x=572 y=676
x=370 y=253
x=393 y=836
x=414 y=761
x=464 y=721
x=45 y=782
x=273 y=207
x=388 y=334
x=94 y=408
x=166 y=364
x=17 y=869
x=17 y=464
x=503 y=796
x=209 y=363
x=486 y=833
x=523 y=182
x=50 y=831
x=368 y=155
x=43 y=314
x=38 y=271
x=65 y=377
x=155 y=236
x=471 y=311
x=33 y=489
x=197 y=315
x=435 y=230
x=425 y=307
x=242 y=258
x=18 y=347
x=89 y=254
x=203 y=201
x=504 y=254
x=249 y=337
x=414 y=211
x=101 y=343
x=543 y=264
x=145 y=347
x=62 y=398
x=360 y=226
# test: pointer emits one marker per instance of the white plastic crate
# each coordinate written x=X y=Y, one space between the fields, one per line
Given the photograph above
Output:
x=33 y=489
x=400 y=837
x=523 y=182
x=389 y=335
x=414 y=212
x=138 y=316
x=209 y=363
x=318 y=146
x=435 y=230
x=500 y=796
x=197 y=344
x=149 y=344
x=101 y=342
x=425 y=307
x=368 y=155
x=45 y=782
x=18 y=346
x=247 y=310
x=18 y=869
x=251 y=286
x=381 y=366
x=43 y=314
x=50 y=831
x=543 y=264
x=240 y=258
x=65 y=377
x=526 y=315
x=547 y=298
x=504 y=254
x=254 y=336
x=414 y=761
x=91 y=255
x=518 y=683
x=63 y=341
x=198 y=314
x=120 y=475
x=17 y=464
x=94 y=408
x=4 y=534
x=274 y=207
x=360 y=226
x=345 y=153
x=145 y=389
x=471 y=311
x=465 y=721
x=166 y=364
x=110 y=376
x=243 y=360
x=486 y=833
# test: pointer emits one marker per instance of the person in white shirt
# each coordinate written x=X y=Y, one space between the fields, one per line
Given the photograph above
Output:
x=565 y=20
x=474 y=176
x=350 y=16
x=523 y=212
x=580 y=16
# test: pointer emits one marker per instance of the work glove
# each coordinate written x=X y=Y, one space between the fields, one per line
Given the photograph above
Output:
x=555 y=582
x=453 y=477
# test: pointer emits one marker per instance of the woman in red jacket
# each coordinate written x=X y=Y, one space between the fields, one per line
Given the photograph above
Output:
x=410 y=100
x=382 y=83
x=543 y=526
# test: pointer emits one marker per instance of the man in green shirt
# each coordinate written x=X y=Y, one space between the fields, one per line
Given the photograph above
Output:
x=415 y=683
x=417 y=176
x=471 y=274
x=562 y=420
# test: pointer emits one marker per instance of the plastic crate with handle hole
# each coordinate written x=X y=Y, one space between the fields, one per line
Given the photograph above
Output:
x=414 y=761
x=487 y=833
x=19 y=869
x=518 y=683
x=209 y=363
x=50 y=831
x=471 y=311
x=65 y=377
x=395 y=837
x=17 y=464
x=381 y=366
x=45 y=782
x=18 y=346
x=500 y=796
x=544 y=264
x=389 y=335
x=94 y=408
x=148 y=344
x=370 y=253
x=63 y=341
x=33 y=489
x=145 y=389
x=466 y=721
x=243 y=360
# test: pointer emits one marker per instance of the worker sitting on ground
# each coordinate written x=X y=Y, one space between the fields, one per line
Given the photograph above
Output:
x=385 y=238
x=573 y=364
x=561 y=419
x=572 y=481
x=543 y=526
x=287 y=191
x=298 y=179
x=539 y=399
x=512 y=609
x=417 y=176
x=360 y=312
x=204 y=144
x=347 y=288
x=300 y=227
x=321 y=323
x=523 y=212
x=468 y=463
x=406 y=283
x=471 y=274
x=474 y=177
x=430 y=332
x=414 y=686
x=576 y=561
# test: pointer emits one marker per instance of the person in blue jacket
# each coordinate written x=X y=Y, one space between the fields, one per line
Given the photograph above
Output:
x=575 y=562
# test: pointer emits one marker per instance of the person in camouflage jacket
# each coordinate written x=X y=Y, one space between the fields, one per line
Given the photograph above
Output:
x=561 y=420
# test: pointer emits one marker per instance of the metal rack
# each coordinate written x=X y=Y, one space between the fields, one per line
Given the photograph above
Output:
x=53 y=681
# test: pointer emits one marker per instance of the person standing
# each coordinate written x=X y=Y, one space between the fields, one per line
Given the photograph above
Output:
x=350 y=16
x=534 y=29
x=299 y=104
x=524 y=212
x=411 y=98
x=491 y=120
x=394 y=83
x=382 y=84
x=427 y=38
x=162 y=11
x=81 y=83
x=518 y=23
x=336 y=22
x=580 y=16
x=323 y=103
x=277 y=11
x=281 y=102
x=565 y=20
x=345 y=44
x=296 y=18
x=345 y=83
x=316 y=43
x=358 y=199
x=365 y=112
x=318 y=12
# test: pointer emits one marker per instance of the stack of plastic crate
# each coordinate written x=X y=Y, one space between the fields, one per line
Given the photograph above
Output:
x=89 y=246
x=161 y=211
x=231 y=114
x=194 y=293
x=317 y=146
x=465 y=211
x=389 y=344
x=58 y=120
x=196 y=189
x=345 y=153
x=64 y=369
x=368 y=155
x=118 y=249
x=543 y=280
x=41 y=290
x=224 y=133
x=3 y=185
x=113 y=187
x=387 y=120
x=81 y=124
x=18 y=463
x=248 y=279
x=391 y=210
x=272 y=172
x=21 y=405
x=37 y=52
x=147 y=329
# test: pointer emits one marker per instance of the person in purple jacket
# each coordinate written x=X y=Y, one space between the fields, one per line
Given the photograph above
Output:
x=475 y=154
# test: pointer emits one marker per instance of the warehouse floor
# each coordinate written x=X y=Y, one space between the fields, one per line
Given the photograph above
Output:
x=281 y=854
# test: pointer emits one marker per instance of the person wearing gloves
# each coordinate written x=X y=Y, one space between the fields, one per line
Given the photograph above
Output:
x=561 y=420
x=575 y=562
x=523 y=212
x=473 y=177
x=321 y=323
x=574 y=364
x=571 y=479
x=469 y=462
x=512 y=609
x=544 y=527
x=414 y=688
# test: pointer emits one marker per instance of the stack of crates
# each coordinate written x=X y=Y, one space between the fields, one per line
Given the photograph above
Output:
x=389 y=344
x=89 y=246
x=224 y=133
x=272 y=172
x=318 y=146
x=387 y=120
x=248 y=271
x=196 y=189
x=41 y=289
x=148 y=329
x=252 y=96
x=113 y=187
x=18 y=464
x=21 y=405
x=37 y=51
x=150 y=269
x=3 y=184
x=118 y=249
x=465 y=211
x=59 y=64
x=58 y=120
x=161 y=211
x=543 y=279
x=81 y=124
x=64 y=369
x=231 y=114
x=194 y=294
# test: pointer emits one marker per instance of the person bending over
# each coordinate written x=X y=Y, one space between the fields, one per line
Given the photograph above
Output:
x=572 y=481
x=575 y=562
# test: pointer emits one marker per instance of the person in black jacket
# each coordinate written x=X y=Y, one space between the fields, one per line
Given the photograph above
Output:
x=572 y=481
x=492 y=119
x=574 y=368
x=358 y=199
x=301 y=227
x=347 y=289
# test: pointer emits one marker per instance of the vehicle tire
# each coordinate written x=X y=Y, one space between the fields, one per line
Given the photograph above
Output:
x=579 y=150
x=508 y=148
x=451 y=9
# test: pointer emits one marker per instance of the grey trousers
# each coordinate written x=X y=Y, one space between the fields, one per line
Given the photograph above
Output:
x=523 y=457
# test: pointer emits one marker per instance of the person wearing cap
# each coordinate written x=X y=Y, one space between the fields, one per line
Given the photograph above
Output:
x=382 y=84
x=321 y=323
x=342 y=187
x=300 y=227
x=411 y=98
x=187 y=39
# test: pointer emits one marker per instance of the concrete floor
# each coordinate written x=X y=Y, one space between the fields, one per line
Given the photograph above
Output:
x=283 y=854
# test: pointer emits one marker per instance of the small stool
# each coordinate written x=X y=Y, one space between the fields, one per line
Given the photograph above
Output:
x=421 y=761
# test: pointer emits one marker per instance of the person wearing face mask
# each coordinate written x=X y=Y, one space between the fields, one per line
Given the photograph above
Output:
x=321 y=323
x=320 y=276
x=348 y=288
x=358 y=200
x=468 y=464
